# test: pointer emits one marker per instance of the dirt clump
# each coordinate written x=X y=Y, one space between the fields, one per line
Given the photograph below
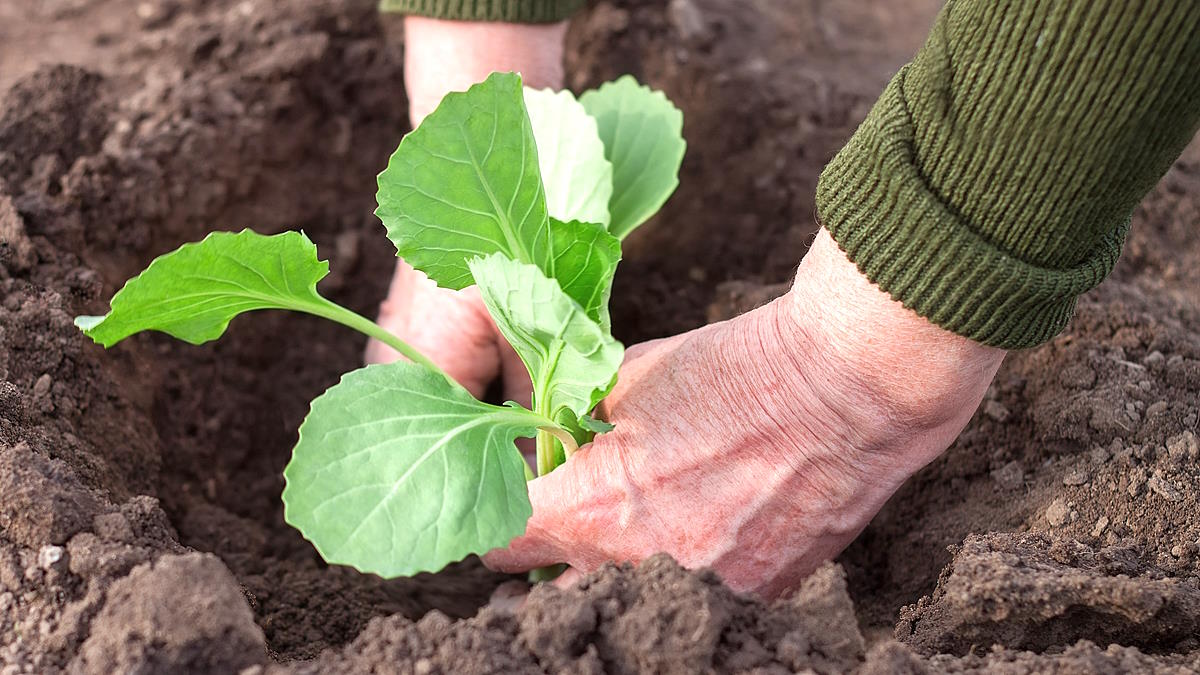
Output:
x=1021 y=591
x=1061 y=531
x=180 y=614
x=48 y=121
x=655 y=617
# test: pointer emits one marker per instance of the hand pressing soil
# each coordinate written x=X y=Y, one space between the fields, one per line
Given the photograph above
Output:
x=761 y=446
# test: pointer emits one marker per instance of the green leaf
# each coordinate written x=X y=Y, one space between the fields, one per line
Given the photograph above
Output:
x=194 y=292
x=596 y=426
x=642 y=133
x=398 y=472
x=576 y=176
x=571 y=360
x=583 y=260
x=465 y=183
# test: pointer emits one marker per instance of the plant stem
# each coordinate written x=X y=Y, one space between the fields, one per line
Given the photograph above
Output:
x=335 y=312
x=547 y=573
x=570 y=447
x=546 y=435
x=545 y=451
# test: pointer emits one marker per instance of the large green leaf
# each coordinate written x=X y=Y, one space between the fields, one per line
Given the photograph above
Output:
x=642 y=133
x=194 y=292
x=572 y=361
x=466 y=183
x=398 y=472
x=583 y=260
x=575 y=173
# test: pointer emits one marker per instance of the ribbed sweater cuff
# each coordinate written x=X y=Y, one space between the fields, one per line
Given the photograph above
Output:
x=511 y=11
x=877 y=205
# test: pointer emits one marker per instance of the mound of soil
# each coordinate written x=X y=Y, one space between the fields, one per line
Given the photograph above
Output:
x=140 y=522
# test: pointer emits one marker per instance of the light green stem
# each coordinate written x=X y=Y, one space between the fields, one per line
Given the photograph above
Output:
x=570 y=447
x=335 y=312
x=545 y=451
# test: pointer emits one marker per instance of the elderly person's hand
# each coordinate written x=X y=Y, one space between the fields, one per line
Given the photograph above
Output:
x=763 y=445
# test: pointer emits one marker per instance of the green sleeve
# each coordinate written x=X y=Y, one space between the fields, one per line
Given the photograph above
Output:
x=994 y=180
x=513 y=11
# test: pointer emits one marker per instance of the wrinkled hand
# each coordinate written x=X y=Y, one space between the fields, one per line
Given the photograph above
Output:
x=760 y=446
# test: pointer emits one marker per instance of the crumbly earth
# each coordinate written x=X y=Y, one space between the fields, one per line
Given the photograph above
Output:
x=140 y=523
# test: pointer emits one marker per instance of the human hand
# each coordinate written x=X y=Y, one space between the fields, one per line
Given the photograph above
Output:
x=760 y=446
x=452 y=328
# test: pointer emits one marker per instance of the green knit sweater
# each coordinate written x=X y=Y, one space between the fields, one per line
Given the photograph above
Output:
x=994 y=180
x=515 y=11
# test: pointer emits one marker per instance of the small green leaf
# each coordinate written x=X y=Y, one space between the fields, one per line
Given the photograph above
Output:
x=642 y=133
x=582 y=427
x=571 y=360
x=576 y=176
x=583 y=259
x=194 y=292
x=398 y=472
x=466 y=183
x=595 y=426
x=87 y=323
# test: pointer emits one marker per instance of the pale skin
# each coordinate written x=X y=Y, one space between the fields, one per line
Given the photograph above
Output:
x=759 y=446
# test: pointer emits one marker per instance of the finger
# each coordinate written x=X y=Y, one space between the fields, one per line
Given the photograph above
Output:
x=509 y=596
x=524 y=553
x=550 y=535
x=569 y=578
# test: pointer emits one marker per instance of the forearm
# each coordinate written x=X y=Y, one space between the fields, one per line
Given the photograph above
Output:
x=442 y=56
x=993 y=181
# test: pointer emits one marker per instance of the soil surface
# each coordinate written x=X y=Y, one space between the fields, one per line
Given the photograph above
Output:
x=140 y=524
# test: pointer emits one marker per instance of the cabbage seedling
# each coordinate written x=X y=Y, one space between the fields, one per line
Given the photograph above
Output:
x=525 y=194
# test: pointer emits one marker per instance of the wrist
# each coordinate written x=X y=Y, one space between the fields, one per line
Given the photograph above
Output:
x=904 y=371
x=442 y=56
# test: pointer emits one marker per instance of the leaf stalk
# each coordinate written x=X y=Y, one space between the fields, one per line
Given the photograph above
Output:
x=335 y=312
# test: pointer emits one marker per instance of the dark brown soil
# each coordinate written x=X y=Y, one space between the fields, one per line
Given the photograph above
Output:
x=140 y=523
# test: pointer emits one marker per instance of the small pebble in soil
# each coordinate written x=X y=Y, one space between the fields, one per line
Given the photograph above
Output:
x=687 y=19
x=1010 y=476
x=1164 y=488
x=1076 y=476
x=1059 y=513
x=1137 y=478
x=49 y=555
x=42 y=386
x=1101 y=524
x=1156 y=408
x=995 y=410
x=1183 y=446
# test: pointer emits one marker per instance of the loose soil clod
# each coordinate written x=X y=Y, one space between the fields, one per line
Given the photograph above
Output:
x=1061 y=531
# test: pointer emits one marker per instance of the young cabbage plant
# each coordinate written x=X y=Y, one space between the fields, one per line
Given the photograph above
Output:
x=525 y=194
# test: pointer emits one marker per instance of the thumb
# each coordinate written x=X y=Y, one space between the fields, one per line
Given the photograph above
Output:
x=542 y=543
x=572 y=507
